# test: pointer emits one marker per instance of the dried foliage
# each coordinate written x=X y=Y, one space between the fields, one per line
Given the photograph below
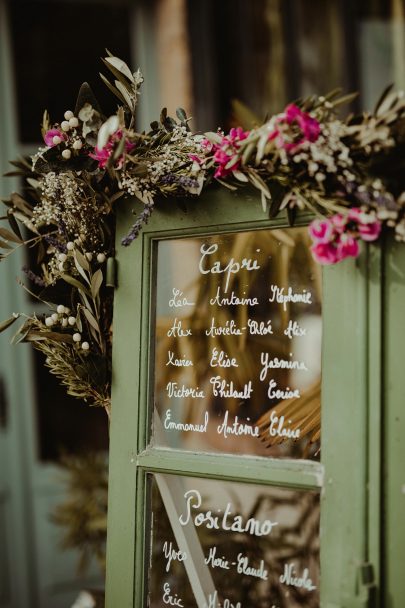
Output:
x=83 y=515
x=304 y=157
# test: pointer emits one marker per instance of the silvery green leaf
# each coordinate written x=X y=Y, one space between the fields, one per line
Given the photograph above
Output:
x=96 y=282
x=226 y=184
x=91 y=319
x=214 y=138
x=106 y=130
x=75 y=283
x=231 y=162
x=7 y=235
x=265 y=203
x=121 y=66
x=261 y=146
x=124 y=92
x=240 y=176
x=112 y=88
x=181 y=114
x=33 y=182
x=387 y=103
x=5 y=324
x=259 y=183
x=247 y=152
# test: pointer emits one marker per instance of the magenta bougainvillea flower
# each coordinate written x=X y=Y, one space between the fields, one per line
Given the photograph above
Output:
x=321 y=231
x=102 y=155
x=53 y=137
x=294 y=128
x=368 y=225
x=226 y=152
x=337 y=238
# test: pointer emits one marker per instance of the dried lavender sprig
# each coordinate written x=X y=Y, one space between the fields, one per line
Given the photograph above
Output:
x=34 y=278
x=51 y=240
x=180 y=180
x=137 y=227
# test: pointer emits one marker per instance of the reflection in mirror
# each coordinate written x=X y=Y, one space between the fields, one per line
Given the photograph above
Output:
x=216 y=543
x=238 y=344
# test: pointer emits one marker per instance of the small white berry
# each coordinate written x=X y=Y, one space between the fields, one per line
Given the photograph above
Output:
x=66 y=310
x=89 y=256
x=65 y=125
x=85 y=346
x=77 y=145
x=73 y=122
x=56 y=140
x=60 y=309
x=100 y=258
x=72 y=320
x=68 y=114
x=62 y=257
x=70 y=246
x=54 y=317
x=77 y=337
x=66 y=154
x=49 y=321
x=64 y=322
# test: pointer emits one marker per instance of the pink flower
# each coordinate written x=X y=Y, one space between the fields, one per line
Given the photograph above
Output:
x=339 y=222
x=102 y=155
x=292 y=120
x=309 y=126
x=50 y=134
x=347 y=246
x=226 y=153
x=321 y=231
x=325 y=253
x=368 y=226
x=207 y=145
x=371 y=231
x=196 y=159
x=337 y=238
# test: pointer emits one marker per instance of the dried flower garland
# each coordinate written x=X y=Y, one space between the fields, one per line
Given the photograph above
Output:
x=349 y=173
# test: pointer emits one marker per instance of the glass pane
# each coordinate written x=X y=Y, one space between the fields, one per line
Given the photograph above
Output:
x=238 y=344
x=216 y=543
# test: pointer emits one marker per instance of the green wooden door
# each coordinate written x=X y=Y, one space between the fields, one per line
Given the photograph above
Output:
x=149 y=474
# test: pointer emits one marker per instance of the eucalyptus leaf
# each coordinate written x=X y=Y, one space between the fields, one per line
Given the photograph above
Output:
x=181 y=115
x=21 y=204
x=259 y=183
x=36 y=336
x=91 y=319
x=10 y=236
x=75 y=283
x=212 y=137
x=113 y=89
x=82 y=260
x=5 y=324
x=96 y=282
x=121 y=66
x=240 y=176
x=14 y=225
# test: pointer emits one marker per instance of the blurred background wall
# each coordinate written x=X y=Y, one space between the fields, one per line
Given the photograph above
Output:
x=201 y=55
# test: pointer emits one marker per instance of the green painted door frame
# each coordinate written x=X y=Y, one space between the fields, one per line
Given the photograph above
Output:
x=357 y=431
